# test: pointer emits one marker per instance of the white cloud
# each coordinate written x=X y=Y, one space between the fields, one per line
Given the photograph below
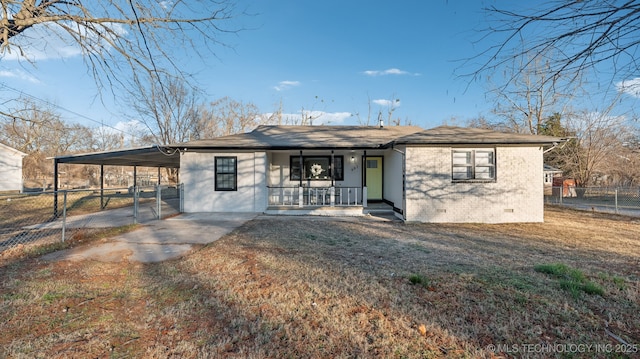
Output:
x=19 y=75
x=630 y=87
x=387 y=103
x=391 y=71
x=285 y=85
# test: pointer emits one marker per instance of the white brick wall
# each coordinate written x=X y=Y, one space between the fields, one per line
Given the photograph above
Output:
x=516 y=196
x=197 y=172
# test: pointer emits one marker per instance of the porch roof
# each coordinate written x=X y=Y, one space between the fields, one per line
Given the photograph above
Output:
x=306 y=137
x=450 y=135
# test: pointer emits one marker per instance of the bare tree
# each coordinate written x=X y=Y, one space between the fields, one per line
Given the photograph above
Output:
x=598 y=138
x=226 y=116
x=168 y=108
x=41 y=134
x=115 y=36
x=580 y=34
x=523 y=104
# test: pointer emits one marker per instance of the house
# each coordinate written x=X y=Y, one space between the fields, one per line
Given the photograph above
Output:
x=445 y=174
x=550 y=173
x=10 y=168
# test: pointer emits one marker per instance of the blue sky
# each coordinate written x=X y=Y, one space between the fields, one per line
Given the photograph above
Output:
x=335 y=57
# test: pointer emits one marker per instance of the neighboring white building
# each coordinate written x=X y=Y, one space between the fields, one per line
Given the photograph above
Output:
x=10 y=168
x=446 y=174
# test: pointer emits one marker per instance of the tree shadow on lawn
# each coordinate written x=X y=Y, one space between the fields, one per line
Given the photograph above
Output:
x=313 y=288
x=318 y=288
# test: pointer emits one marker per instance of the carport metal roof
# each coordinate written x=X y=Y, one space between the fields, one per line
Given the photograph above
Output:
x=151 y=156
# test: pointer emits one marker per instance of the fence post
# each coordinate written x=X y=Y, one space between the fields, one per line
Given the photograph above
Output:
x=159 y=201
x=561 y=193
x=64 y=215
x=616 y=201
x=135 y=204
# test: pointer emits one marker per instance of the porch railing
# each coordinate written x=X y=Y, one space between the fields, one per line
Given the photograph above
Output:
x=315 y=196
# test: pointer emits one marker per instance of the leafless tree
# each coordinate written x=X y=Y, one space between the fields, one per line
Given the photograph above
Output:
x=119 y=36
x=226 y=116
x=524 y=103
x=168 y=108
x=41 y=134
x=598 y=140
x=580 y=35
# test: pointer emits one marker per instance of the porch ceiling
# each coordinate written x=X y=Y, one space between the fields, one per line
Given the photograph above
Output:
x=153 y=156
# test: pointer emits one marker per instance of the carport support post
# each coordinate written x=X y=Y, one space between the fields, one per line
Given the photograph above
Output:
x=55 y=188
x=158 y=201
x=101 y=187
x=135 y=205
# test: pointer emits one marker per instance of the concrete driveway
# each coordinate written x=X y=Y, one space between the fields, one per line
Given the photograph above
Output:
x=159 y=240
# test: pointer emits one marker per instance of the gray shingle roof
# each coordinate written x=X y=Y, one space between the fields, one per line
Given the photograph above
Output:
x=287 y=137
x=360 y=137
x=449 y=135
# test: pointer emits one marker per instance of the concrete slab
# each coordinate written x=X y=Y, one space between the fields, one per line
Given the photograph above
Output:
x=159 y=240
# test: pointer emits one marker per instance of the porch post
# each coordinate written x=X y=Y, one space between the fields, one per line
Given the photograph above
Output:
x=300 y=189
x=332 y=167
x=364 y=180
x=301 y=168
x=364 y=170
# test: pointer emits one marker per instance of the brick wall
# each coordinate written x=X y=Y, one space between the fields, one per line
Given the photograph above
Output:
x=515 y=196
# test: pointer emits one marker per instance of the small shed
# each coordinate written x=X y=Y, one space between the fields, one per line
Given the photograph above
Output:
x=10 y=168
x=566 y=186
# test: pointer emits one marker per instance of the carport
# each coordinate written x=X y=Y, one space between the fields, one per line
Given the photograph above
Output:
x=151 y=156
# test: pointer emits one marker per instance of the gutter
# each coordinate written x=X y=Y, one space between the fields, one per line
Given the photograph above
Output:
x=556 y=144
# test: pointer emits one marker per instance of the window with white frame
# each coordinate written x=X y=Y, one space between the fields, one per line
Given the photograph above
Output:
x=226 y=173
x=473 y=164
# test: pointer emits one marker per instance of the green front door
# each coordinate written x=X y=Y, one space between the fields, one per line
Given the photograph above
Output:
x=373 y=167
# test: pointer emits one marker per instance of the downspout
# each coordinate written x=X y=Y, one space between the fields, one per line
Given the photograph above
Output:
x=556 y=144
x=404 y=181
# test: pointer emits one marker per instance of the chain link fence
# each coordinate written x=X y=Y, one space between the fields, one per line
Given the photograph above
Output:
x=619 y=200
x=46 y=217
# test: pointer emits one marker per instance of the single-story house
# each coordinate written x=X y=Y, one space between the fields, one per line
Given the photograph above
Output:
x=550 y=173
x=445 y=174
x=10 y=168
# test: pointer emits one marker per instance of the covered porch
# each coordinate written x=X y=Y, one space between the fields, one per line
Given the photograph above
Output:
x=332 y=182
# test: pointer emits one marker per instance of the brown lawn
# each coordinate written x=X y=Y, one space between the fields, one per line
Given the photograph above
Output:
x=320 y=288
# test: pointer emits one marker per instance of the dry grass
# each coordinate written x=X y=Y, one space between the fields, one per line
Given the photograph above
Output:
x=317 y=288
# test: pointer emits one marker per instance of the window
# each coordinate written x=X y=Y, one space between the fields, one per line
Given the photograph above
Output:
x=226 y=173
x=316 y=168
x=477 y=165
